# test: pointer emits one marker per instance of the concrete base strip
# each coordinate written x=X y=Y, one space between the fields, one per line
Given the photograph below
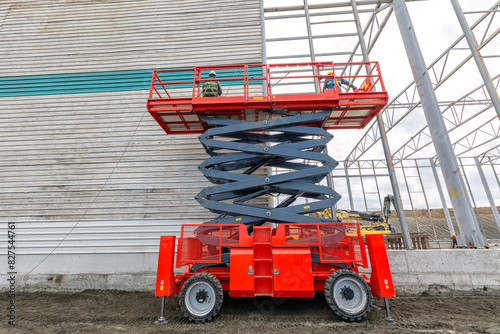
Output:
x=415 y=272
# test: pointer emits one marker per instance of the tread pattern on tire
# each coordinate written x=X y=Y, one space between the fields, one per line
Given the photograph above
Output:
x=219 y=295
x=329 y=284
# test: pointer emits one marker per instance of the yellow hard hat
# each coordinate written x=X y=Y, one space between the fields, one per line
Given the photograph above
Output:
x=329 y=73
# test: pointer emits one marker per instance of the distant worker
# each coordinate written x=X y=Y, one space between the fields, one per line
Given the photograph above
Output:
x=340 y=81
x=212 y=87
x=454 y=240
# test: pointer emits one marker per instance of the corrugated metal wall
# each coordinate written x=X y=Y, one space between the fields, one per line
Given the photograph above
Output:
x=83 y=166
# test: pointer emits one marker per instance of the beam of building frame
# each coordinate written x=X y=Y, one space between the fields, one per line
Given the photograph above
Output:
x=398 y=203
x=379 y=8
x=453 y=114
x=393 y=113
x=332 y=4
x=441 y=197
x=487 y=190
x=492 y=153
x=471 y=40
x=460 y=201
x=485 y=133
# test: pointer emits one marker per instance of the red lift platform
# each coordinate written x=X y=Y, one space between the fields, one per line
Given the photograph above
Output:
x=256 y=250
x=250 y=92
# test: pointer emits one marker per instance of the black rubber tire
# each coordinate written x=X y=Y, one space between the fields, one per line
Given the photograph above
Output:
x=205 y=278
x=336 y=306
x=380 y=228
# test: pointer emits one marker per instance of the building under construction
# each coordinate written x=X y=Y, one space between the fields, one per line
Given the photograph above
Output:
x=92 y=182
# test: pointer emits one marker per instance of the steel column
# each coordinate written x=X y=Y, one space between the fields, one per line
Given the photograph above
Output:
x=309 y=32
x=398 y=203
x=441 y=196
x=348 y=182
x=409 y=197
x=467 y=223
x=329 y=180
x=378 y=188
x=263 y=32
x=473 y=200
x=394 y=184
x=311 y=44
x=488 y=192
x=363 y=190
x=471 y=40
x=425 y=198
x=264 y=48
x=495 y=173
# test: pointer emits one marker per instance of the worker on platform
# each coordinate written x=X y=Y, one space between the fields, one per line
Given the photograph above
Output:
x=454 y=240
x=329 y=84
x=212 y=87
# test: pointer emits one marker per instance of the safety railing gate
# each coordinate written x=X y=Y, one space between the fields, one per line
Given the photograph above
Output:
x=263 y=91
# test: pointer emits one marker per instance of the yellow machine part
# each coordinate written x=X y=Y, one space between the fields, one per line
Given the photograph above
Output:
x=366 y=226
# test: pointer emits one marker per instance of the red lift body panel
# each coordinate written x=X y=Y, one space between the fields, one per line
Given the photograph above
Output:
x=165 y=280
x=381 y=278
x=273 y=262
x=294 y=276
x=241 y=283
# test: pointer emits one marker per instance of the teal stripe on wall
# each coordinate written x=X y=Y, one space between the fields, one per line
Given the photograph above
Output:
x=97 y=82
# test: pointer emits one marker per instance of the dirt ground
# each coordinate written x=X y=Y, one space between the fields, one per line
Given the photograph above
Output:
x=135 y=312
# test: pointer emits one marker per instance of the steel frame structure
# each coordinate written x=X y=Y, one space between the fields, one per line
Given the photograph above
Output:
x=421 y=192
x=474 y=110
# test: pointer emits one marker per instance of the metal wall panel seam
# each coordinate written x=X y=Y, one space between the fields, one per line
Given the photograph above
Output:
x=4 y=10
x=53 y=68
x=124 y=40
x=122 y=55
x=132 y=21
x=101 y=46
x=123 y=36
x=39 y=15
x=44 y=68
x=32 y=7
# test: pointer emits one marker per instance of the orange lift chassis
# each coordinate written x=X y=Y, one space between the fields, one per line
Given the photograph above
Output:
x=269 y=115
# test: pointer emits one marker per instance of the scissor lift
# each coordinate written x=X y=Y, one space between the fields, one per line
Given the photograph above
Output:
x=251 y=248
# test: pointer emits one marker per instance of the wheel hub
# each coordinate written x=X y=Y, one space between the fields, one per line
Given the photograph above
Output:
x=347 y=293
x=201 y=296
